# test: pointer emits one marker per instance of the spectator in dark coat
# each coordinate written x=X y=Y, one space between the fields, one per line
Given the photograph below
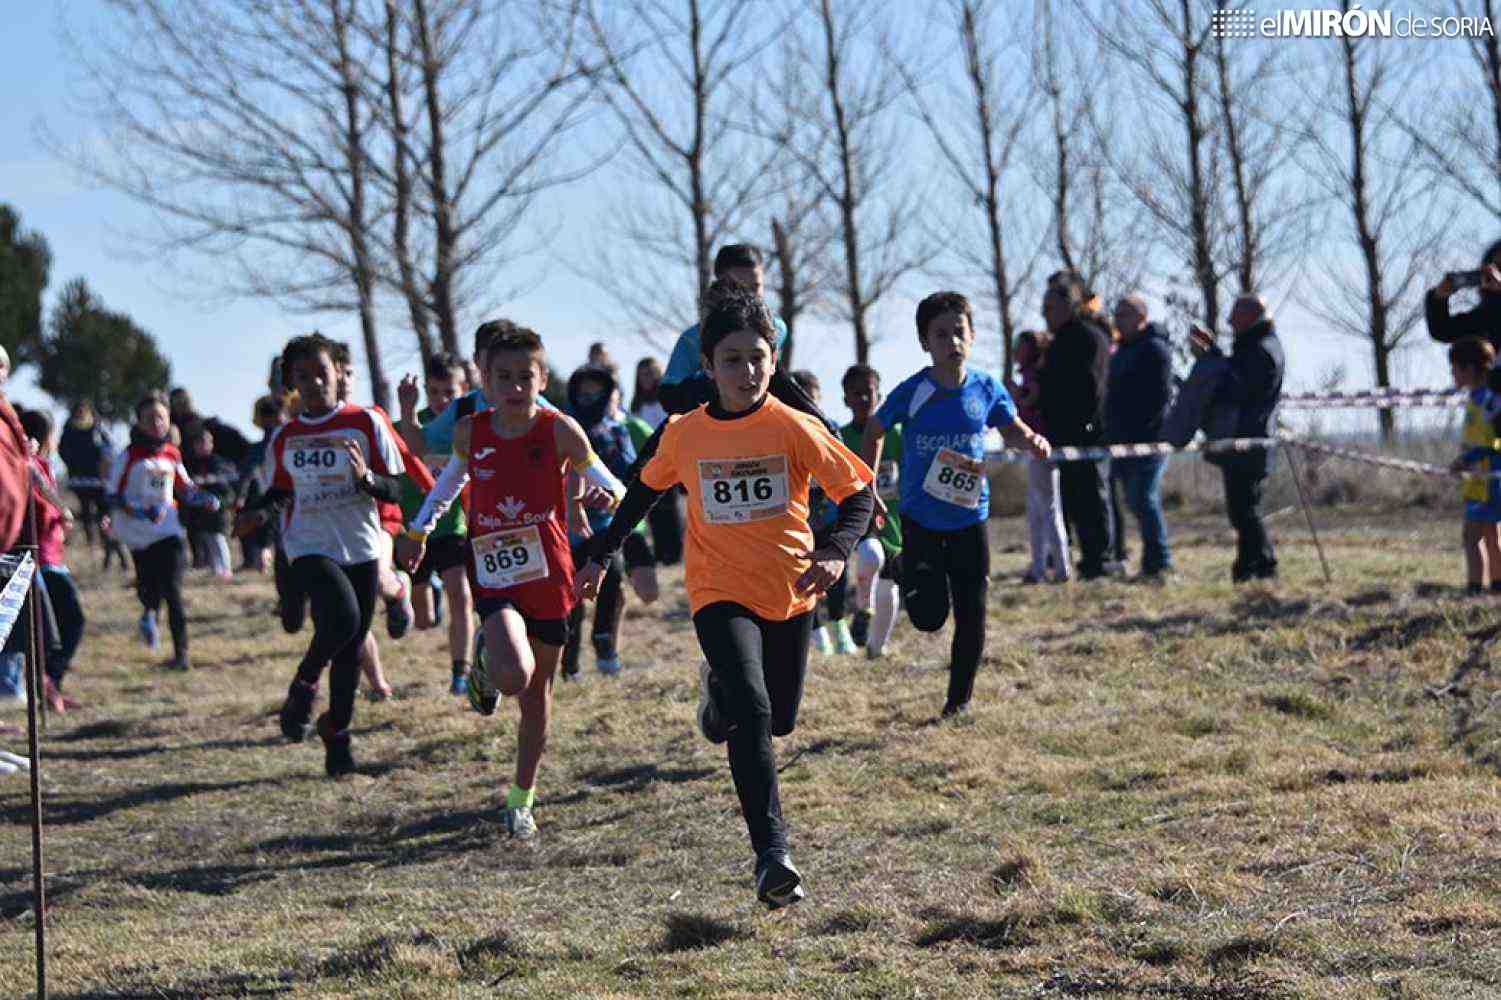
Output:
x=229 y=444
x=1139 y=393
x=1253 y=384
x=1483 y=321
x=1072 y=398
x=85 y=448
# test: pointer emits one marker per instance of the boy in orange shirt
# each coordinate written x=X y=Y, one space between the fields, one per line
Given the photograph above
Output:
x=751 y=569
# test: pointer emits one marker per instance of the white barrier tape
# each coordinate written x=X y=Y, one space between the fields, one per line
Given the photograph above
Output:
x=1401 y=464
x=1367 y=395
x=13 y=597
x=1387 y=402
x=1069 y=453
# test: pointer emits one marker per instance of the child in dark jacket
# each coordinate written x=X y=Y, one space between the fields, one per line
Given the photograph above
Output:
x=208 y=529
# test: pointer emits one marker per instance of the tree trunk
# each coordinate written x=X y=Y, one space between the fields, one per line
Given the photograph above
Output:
x=1378 y=308
x=364 y=271
x=445 y=239
x=788 y=296
x=1246 y=266
x=411 y=289
x=1493 y=89
x=1203 y=260
x=848 y=225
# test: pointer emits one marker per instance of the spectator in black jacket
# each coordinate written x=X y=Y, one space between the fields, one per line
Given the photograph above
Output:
x=229 y=444
x=1139 y=393
x=1483 y=321
x=1253 y=384
x=86 y=450
x=1071 y=388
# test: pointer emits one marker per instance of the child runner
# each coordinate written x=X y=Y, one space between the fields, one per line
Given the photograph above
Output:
x=53 y=523
x=518 y=455
x=447 y=552
x=751 y=568
x=1469 y=360
x=1044 y=506
x=147 y=480
x=270 y=413
x=594 y=401
x=334 y=463
x=208 y=529
x=877 y=560
x=831 y=633
x=944 y=411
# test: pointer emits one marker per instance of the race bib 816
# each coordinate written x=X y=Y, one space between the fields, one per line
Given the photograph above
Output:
x=739 y=490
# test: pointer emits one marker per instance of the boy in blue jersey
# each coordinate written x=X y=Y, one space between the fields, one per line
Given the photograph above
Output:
x=944 y=411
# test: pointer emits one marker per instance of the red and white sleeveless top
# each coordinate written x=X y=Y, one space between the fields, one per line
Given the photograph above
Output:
x=517 y=517
x=330 y=516
x=145 y=477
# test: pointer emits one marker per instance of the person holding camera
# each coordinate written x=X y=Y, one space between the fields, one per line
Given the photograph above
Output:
x=1484 y=320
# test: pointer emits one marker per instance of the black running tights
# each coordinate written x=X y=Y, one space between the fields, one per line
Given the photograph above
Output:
x=758 y=668
x=944 y=567
x=159 y=569
x=343 y=600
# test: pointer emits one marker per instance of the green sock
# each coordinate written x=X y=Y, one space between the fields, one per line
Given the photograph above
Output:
x=520 y=798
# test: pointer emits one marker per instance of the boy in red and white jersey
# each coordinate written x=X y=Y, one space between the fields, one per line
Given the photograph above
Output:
x=145 y=483
x=519 y=457
x=329 y=469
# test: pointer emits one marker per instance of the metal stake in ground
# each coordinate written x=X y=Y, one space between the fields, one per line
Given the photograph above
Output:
x=33 y=696
x=1287 y=450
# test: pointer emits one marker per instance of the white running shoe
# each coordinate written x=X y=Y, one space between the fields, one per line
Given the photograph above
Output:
x=519 y=823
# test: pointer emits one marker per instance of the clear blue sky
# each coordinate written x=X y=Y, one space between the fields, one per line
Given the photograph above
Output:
x=220 y=349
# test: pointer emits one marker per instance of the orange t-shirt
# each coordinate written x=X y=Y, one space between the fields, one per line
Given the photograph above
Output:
x=747 y=480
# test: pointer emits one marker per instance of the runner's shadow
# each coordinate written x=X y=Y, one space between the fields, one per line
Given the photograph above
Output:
x=66 y=812
x=638 y=776
x=230 y=985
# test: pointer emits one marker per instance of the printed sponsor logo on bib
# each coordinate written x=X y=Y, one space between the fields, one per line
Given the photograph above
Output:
x=319 y=467
x=740 y=490
x=888 y=479
x=507 y=558
x=955 y=478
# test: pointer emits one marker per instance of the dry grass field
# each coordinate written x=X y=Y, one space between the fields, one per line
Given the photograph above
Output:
x=1202 y=791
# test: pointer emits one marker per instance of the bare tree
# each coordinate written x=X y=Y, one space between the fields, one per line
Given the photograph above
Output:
x=1362 y=157
x=408 y=281
x=501 y=89
x=1096 y=223
x=1171 y=171
x=246 y=127
x=670 y=70
x=803 y=235
x=881 y=230
x=1458 y=136
x=978 y=146
x=1259 y=134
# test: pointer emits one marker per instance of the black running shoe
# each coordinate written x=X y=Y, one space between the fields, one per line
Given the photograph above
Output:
x=860 y=628
x=297 y=710
x=778 y=882
x=337 y=760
